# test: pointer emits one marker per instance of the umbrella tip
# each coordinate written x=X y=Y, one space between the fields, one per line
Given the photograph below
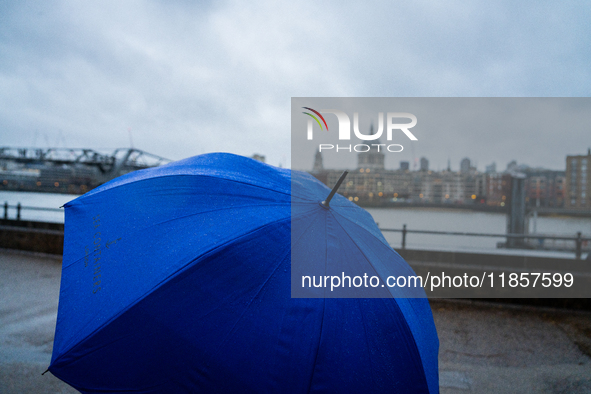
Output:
x=326 y=203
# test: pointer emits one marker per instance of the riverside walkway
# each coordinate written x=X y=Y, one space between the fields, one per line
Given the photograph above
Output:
x=484 y=347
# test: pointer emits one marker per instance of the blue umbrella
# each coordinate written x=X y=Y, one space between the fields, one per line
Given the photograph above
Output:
x=177 y=279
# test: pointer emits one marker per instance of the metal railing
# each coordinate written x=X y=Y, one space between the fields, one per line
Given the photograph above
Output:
x=578 y=239
x=20 y=208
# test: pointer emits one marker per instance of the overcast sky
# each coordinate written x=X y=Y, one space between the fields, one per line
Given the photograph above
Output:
x=180 y=78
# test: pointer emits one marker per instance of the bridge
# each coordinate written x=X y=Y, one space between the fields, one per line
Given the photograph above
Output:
x=68 y=170
x=122 y=160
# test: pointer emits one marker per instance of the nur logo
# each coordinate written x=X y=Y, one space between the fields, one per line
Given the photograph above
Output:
x=345 y=129
x=315 y=118
x=345 y=124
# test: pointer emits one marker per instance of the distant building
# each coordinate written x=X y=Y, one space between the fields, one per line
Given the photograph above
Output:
x=465 y=165
x=498 y=188
x=424 y=164
x=258 y=157
x=441 y=187
x=372 y=159
x=578 y=182
x=318 y=164
x=545 y=188
x=372 y=183
x=512 y=166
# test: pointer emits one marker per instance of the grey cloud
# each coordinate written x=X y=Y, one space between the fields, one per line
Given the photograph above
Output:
x=193 y=77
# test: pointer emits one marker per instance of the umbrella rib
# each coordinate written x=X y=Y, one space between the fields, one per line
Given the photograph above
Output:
x=198 y=213
x=416 y=346
x=323 y=308
x=90 y=193
x=184 y=217
x=114 y=390
x=163 y=281
x=261 y=287
x=253 y=298
x=383 y=241
x=394 y=298
x=213 y=210
x=366 y=340
x=319 y=342
x=359 y=249
x=412 y=334
x=293 y=243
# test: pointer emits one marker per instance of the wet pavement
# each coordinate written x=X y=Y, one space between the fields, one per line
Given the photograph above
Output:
x=492 y=348
x=29 y=292
x=484 y=348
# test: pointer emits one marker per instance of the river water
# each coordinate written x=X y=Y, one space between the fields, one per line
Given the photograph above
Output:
x=435 y=219
x=415 y=219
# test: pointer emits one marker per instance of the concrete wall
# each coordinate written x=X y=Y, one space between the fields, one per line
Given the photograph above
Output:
x=32 y=236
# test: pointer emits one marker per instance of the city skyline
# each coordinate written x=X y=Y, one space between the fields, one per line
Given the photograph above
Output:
x=371 y=183
x=457 y=167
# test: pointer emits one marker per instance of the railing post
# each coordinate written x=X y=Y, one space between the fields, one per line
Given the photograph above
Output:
x=579 y=244
x=5 y=210
x=18 y=211
x=404 y=236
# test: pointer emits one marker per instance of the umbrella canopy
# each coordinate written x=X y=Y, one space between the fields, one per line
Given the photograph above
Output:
x=177 y=279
